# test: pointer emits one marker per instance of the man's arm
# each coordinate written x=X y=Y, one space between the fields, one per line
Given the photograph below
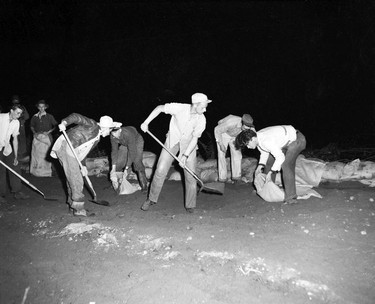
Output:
x=15 y=150
x=151 y=117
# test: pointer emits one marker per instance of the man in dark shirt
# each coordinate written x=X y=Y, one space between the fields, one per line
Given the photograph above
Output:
x=127 y=149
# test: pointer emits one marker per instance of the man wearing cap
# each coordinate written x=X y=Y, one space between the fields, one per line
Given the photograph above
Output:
x=186 y=126
x=84 y=136
x=42 y=124
x=225 y=134
x=127 y=150
x=283 y=143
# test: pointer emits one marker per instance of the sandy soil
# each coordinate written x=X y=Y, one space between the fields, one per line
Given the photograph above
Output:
x=236 y=248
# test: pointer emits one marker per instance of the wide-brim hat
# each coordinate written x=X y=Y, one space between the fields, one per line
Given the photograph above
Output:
x=199 y=97
x=107 y=122
x=43 y=102
x=247 y=120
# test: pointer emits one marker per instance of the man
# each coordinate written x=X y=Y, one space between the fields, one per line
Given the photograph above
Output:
x=9 y=127
x=127 y=149
x=225 y=134
x=186 y=126
x=42 y=124
x=84 y=136
x=22 y=140
x=284 y=143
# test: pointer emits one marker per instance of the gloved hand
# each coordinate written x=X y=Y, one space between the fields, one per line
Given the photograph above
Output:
x=144 y=127
x=268 y=177
x=62 y=127
x=259 y=170
x=125 y=174
x=182 y=160
x=114 y=180
x=84 y=171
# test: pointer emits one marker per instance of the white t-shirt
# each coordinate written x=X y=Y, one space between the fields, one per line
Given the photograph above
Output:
x=8 y=128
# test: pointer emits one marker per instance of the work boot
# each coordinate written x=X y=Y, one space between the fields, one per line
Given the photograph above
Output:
x=78 y=208
x=20 y=195
x=146 y=205
x=291 y=200
x=142 y=181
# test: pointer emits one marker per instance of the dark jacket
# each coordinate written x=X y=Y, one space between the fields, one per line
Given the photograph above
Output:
x=85 y=129
x=129 y=138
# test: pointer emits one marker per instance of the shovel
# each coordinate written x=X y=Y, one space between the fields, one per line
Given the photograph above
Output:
x=94 y=200
x=214 y=188
x=28 y=183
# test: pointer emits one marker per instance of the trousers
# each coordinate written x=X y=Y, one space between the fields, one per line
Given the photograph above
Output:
x=14 y=181
x=164 y=163
x=235 y=159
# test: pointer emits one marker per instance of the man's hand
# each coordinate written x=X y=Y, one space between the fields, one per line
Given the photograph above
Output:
x=84 y=171
x=62 y=127
x=182 y=160
x=113 y=176
x=259 y=170
x=15 y=162
x=144 y=127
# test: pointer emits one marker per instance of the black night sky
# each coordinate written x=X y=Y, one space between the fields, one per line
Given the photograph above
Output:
x=306 y=63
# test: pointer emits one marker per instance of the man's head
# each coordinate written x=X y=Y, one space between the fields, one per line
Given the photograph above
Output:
x=247 y=122
x=107 y=124
x=200 y=102
x=247 y=138
x=116 y=132
x=42 y=105
x=15 y=111
x=15 y=99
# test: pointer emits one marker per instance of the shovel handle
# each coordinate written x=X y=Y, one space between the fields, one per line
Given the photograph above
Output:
x=79 y=162
x=176 y=158
x=21 y=177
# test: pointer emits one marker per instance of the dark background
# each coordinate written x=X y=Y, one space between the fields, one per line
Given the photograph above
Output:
x=305 y=63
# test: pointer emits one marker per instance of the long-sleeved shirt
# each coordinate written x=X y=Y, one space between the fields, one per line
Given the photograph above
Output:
x=128 y=138
x=8 y=128
x=230 y=125
x=271 y=141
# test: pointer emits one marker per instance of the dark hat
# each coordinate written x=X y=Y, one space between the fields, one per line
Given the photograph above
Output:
x=15 y=99
x=43 y=102
x=247 y=120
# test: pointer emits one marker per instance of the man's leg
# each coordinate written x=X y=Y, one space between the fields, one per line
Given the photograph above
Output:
x=221 y=159
x=162 y=168
x=138 y=164
x=3 y=178
x=190 y=183
x=15 y=181
x=122 y=158
x=74 y=180
x=289 y=167
x=235 y=161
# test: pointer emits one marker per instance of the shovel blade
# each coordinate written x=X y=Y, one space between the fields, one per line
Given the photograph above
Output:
x=213 y=188
x=100 y=202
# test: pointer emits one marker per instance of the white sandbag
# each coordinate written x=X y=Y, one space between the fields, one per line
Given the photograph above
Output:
x=333 y=171
x=128 y=188
x=96 y=166
x=175 y=176
x=309 y=171
x=269 y=191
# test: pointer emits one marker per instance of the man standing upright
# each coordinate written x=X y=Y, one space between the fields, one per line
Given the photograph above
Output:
x=127 y=149
x=9 y=127
x=186 y=126
x=22 y=140
x=225 y=134
x=284 y=143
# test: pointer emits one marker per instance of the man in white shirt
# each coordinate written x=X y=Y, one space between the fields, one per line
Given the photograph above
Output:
x=9 y=128
x=284 y=143
x=186 y=126
x=225 y=134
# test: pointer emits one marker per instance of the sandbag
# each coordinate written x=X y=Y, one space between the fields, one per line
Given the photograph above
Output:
x=269 y=191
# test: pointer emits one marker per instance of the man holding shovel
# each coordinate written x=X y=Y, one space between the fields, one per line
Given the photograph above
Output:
x=186 y=126
x=9 y=127
x=83 y=137
x=127 y=149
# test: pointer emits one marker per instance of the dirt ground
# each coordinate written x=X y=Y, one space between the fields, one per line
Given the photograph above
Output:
x=235 y=248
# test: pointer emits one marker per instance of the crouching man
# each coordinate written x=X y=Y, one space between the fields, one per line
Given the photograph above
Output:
x=284 y=143
x=127 y=150
x=84 y=137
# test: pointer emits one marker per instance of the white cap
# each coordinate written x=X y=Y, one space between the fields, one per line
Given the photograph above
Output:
x=107 y=122
x=199 y=97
